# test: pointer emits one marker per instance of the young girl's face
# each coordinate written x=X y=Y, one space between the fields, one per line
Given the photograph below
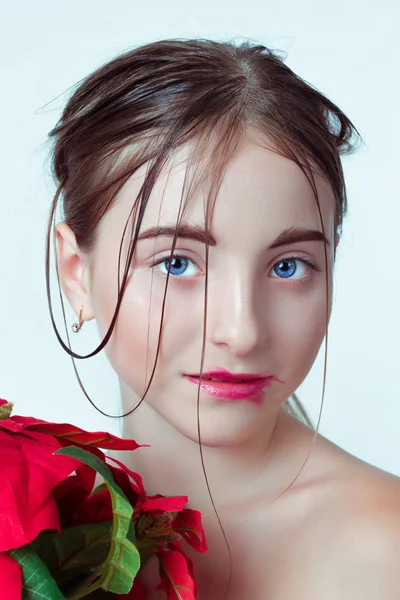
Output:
x=266 y=301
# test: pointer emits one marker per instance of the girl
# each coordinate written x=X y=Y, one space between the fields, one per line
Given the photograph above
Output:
x=203 y=199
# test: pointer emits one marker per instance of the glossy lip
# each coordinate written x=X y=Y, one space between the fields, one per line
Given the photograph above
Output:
x=234 y=386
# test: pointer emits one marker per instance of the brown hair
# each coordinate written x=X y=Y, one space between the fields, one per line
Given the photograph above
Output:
x=142 y=105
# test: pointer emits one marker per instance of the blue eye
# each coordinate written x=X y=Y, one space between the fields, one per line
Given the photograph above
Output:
x=287 y=267
x=178 y=266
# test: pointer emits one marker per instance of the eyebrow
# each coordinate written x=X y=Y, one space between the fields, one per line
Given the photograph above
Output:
x=299 y=234
x=189 y=232
x=289 y=236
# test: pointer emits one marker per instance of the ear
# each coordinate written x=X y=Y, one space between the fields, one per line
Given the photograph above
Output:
x=73 y=271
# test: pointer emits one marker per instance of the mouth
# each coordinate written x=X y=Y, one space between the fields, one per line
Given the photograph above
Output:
x=234 y=386
x=225 y=380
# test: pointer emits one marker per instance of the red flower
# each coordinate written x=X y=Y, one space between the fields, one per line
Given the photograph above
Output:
x=11 y=577
x=71 y=493
x=40 y=490
x=29 y=472
x=35 y=487
x=176 y=572
x=68 y=435
x=97 y=507
x=161 y=523
x=188 y=524
x=165 y=503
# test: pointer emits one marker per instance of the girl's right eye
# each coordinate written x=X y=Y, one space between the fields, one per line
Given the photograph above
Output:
x=178 y=266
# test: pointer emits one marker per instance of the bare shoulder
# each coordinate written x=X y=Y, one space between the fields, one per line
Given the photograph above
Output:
x=343 y=491
x=357 y=531
x=366 y=503
x=358 y=496
x=367 y=488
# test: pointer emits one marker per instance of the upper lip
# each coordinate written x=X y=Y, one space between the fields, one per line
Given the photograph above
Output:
x=224 y=375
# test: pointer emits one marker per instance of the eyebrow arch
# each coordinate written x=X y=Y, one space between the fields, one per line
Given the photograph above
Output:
x=191 y=232
x=289 y=236
x=298 y=234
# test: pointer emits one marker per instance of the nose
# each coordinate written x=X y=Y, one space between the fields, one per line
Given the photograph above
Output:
x=237 y=319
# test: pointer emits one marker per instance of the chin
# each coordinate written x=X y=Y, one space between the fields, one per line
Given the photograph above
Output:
x=220 y=437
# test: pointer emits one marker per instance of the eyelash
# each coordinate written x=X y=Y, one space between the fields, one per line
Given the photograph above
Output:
x=307 y=261
x=176 y=278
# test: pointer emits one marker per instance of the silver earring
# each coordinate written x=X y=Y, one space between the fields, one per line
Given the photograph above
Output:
x=76 y=327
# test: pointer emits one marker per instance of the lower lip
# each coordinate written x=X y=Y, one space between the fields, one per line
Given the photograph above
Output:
x=233 y=390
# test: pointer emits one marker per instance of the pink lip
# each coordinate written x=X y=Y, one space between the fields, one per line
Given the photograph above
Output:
x=234 y=386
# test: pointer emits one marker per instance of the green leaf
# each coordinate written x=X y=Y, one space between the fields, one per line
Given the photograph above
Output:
x=123 y=560
x=75 y=551
x=38 y=584
x=96 y=463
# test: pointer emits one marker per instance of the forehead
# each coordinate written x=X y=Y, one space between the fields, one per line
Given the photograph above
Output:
x=262 y=192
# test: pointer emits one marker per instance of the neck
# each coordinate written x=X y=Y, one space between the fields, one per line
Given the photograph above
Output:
x=172 y=465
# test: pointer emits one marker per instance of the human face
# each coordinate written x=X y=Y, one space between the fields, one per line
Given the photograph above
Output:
x=258 y=319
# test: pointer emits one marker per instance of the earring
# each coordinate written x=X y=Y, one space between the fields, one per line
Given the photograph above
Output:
x=76 y=327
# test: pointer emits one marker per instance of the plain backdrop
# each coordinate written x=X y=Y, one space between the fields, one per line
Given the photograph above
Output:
x=349 y=50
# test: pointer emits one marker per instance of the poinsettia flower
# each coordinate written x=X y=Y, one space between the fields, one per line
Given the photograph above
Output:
x=67 y=433
x=135 y=480
x=69 y=492
x=98 y=506
x=38 y=485
x=188 y=524
x=11 y=577
x=28 y=474
x=177 y=575
x=41 y=490
x=72 y=492
x=95 y=509
x=159 y=520
x=158 y=530
x=165 y=503
x=157 y=517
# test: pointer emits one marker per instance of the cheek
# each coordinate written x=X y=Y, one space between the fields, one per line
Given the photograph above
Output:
x=298 y=326
x=132 y=348
x=182 y=331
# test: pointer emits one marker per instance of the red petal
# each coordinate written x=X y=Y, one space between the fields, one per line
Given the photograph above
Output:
x=102 y=439
x=97 y=508
x=71 y=493
x=2 y=401
x=176 y=572
x=137 y=483
x=9 y=425
x=168 y=504
x=188 y=524
x=10 y=577
x=21 y=422
x=122 y=479
x=28 y=474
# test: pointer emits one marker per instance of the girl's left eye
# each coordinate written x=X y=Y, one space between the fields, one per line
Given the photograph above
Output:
x=178 y=266
x=293 y=265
